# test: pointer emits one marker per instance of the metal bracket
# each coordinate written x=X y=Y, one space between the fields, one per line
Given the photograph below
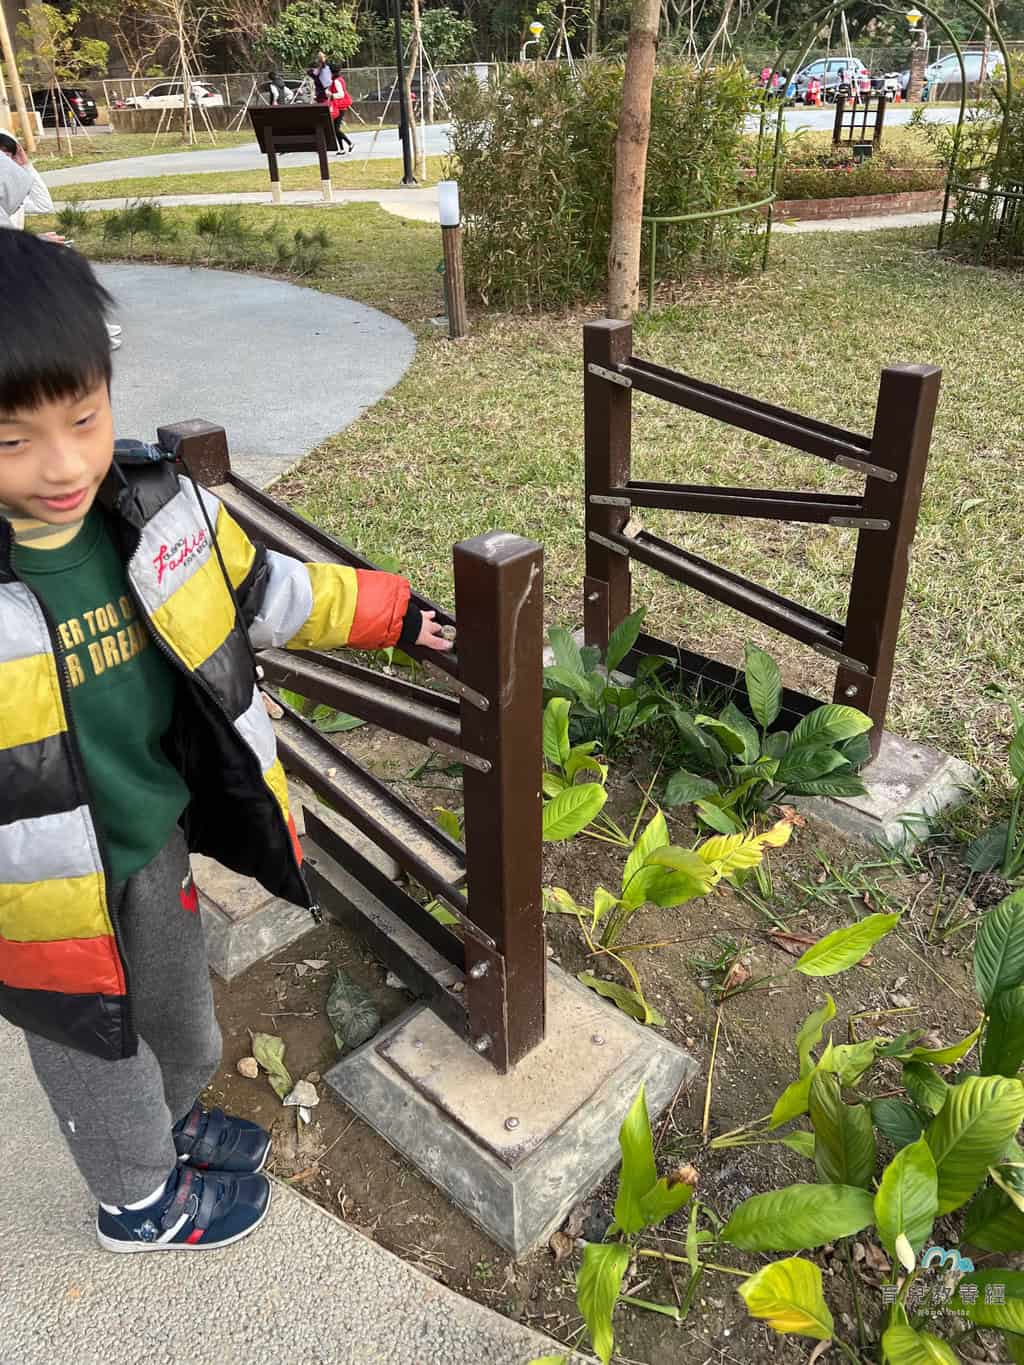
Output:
x=607 y=544
x=474 y=698
x=854 y=665
x=873 y=471
x=608 y=500
x=632 y=528
x=612 y=376
x=468 y=760
x=861 y=523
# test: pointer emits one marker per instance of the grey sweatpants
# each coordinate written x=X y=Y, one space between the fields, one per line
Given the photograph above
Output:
x=117 y=1115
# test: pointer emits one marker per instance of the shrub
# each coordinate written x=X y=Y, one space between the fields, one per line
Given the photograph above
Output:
x=536 y=156
x=876 y=175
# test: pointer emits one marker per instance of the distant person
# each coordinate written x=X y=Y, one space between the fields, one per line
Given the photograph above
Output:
x=131 y=733
x=22 y=191
x=276 y=90
x=340 y=101
x=322 y=78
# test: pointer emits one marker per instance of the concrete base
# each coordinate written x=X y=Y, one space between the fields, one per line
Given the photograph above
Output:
x=244 y=923
x=908 y=785
x=515 y=1152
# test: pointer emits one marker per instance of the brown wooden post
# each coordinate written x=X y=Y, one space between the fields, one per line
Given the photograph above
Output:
x=607 y=431
x=454 y=281
x=837 y=127
x=325 y=169
x=499 y=598
x=907 y=397
x=275 y=174
x=202 y=446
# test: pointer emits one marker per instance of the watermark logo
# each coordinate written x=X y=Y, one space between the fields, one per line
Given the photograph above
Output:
x=947 y=1256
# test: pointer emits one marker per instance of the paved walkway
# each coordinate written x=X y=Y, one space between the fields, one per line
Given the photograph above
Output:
x=281 y=368
x=305 y=1287
x=404 y=203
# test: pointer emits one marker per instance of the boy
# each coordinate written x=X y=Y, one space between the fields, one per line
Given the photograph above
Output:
x=131 y=731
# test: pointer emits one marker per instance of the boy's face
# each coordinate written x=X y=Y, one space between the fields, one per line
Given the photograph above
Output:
x=53 y=458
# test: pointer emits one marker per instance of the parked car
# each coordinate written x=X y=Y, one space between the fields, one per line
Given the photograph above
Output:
x=171 y=95
x=73 y=104
x=827 y=70
x=946 y=71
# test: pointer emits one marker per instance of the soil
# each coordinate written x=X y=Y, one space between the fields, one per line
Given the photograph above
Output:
x=820 y=883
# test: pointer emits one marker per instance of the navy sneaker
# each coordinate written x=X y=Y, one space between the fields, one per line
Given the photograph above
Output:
x=195 y=1213
x=211 y=1140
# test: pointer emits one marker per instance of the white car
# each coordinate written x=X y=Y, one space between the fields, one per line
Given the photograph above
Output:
x=171 y=95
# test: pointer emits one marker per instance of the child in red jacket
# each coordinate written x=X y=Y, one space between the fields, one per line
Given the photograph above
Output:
x=131 y=732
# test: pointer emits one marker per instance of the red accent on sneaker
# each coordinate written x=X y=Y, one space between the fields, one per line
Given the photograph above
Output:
x=195 y=1236
x=189 y=897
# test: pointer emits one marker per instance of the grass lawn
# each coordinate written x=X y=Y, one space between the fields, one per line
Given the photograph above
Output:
x=92 y=147
x=488 y=433
x=350 y=173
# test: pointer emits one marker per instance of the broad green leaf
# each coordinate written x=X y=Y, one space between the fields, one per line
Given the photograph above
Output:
x=788 y=1296
x=663 y=1200
x=268 y=1049
x=828 y=725
x=851 y=1060
x=581 y=762
x=925 y=1086
x=1009 y=1176
x=836 y=784
x=898 y=1121
x=551 y=783
x=638 y=1173
x=844 y=1140
x=569 y=681
x=807 y=765
x=331 y=722
x=999 y=949
x=844 y=948
x=628 y=1001
x=623 y=638
x=809 y=1033
x=731 y=740
x=549 y=1360
x=798 y=1217
x=684 y=787
x=1014 y=1347
x=661 y=886
x=794 y=1099
x=449 y=822
x=556 y=730
x=1003 y=1052
x=717 y=819
x=802 y=1143
x=729 y=853
x=986 y=1310
x=565 y=815
x=971 y=1132
x=946 y=1056
x=654 y=836
x=603 y=902
x=597 y=1292
x=907 y=1199
x=565 y=649
x=902 y=1345
x=993 y=1222
x=685 y=860
x=764 y=686
x=558 y=901
x=737 y=721
x=986 y=852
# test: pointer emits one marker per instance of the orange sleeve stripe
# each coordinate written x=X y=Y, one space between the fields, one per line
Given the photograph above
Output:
x=381 y=602
x=73 y=966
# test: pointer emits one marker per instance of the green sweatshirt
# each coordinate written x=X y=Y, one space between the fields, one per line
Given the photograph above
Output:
x=121 y=692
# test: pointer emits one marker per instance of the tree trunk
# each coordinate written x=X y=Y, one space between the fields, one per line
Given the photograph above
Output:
x=631 y=161
x=416 y=47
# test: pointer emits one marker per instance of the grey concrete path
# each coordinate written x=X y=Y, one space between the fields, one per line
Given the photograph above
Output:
x=279 y=367
x=867 y=223
x=385 y=145
x=304 y=1287
x=404 y=203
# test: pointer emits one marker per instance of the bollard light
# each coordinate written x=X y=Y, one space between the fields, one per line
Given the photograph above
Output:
x=914 y=17
x=536 y=28
x=448 y=203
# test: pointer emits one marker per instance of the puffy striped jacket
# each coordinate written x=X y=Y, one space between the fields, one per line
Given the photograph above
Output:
x=62 y=969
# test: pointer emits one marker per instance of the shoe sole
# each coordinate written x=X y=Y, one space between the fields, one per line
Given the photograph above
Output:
x=109 y=1243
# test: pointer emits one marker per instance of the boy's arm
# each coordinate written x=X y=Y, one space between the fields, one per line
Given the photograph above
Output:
x=288 y=604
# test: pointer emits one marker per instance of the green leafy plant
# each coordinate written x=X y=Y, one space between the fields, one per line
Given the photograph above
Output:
x=599 y=709
x=327 y=719
x=743 y=766
x=140 y=219
x=1001 y=846
x=572 y=806
x=955 y=1148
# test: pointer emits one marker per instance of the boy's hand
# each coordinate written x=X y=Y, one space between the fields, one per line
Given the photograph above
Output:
x=431 y=634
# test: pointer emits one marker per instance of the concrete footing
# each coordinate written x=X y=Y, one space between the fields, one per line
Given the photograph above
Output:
x=516 y=1152
x=243 y=922
x=908 y=784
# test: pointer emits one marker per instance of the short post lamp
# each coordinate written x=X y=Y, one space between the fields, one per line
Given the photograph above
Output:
x=451 y=238
x=918 y=55
x=537 y=30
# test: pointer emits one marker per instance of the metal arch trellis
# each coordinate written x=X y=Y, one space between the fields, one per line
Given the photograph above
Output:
x=809 y=34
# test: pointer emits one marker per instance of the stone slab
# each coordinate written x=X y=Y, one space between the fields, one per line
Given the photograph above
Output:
x=909 y=784
x=446 y=1110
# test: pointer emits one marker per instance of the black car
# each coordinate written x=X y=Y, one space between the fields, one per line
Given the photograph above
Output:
x=73 y=104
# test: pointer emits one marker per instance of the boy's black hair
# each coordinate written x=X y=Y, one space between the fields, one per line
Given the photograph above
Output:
x=54 y=341
x=8 y=144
